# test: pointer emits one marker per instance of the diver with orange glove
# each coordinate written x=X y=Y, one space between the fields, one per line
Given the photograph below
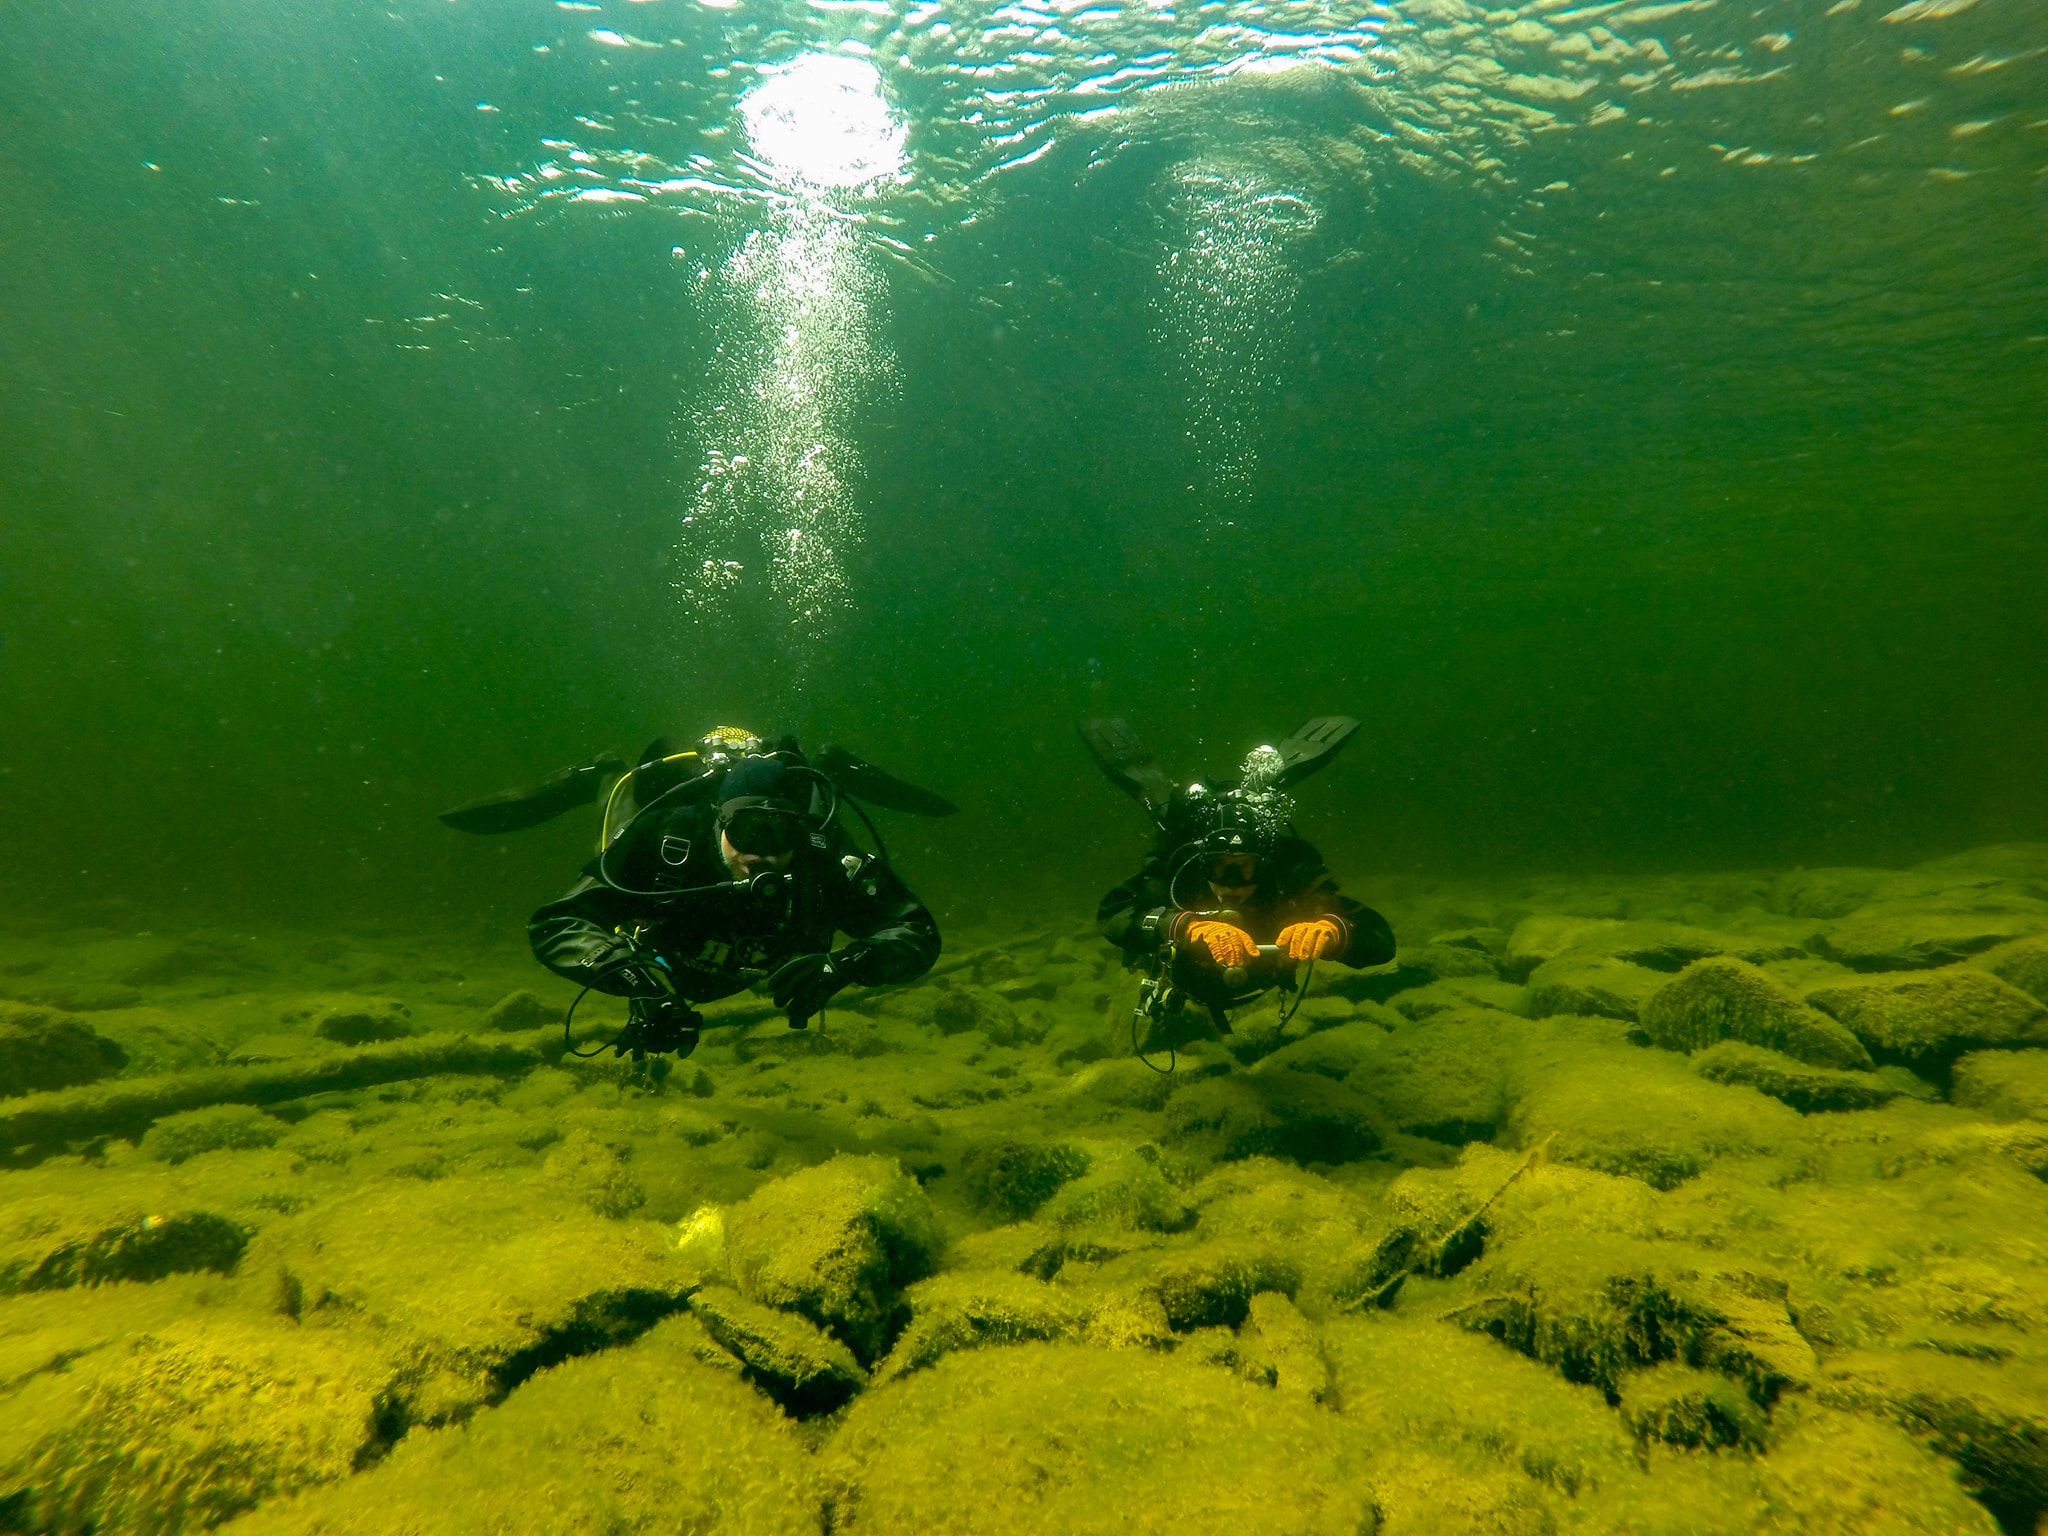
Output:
x=1231 y=900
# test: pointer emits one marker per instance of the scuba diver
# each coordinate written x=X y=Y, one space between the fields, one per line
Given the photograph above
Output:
x=727 y=864
x=1231 y=899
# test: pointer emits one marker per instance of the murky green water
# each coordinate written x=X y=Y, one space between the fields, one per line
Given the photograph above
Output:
x=1633 y=412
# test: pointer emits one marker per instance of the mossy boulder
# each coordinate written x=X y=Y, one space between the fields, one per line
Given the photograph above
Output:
x=1933 y=1015
x=835 y=1243
x=1699 y=1410
x=1418 y=965
x=521 y=1010
x=1086 y=1442
x=596 y=1172
x=1807 y=1089
x=1989 y=1417
x=1133 y=1189
x=1591 y=985
x=804 y=1369
x=1420 y=1381
x=1641 y=1114
x=486 y=1278
x=978 y=1309
x=1292 y=1114
x=1913 y=935
x=1282 y=1349
x=41 y=1050
x=648 y=1437
x=348 y=1019
x=953 y=1008
x=220 y=1127
x=201 y=1419
x=2023 y=964
x=2009 y=1085
x=1014 y=1178
x=1443 y=1077
x=1728 y=999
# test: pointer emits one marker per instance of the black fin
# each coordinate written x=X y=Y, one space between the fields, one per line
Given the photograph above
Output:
x=1118 y=752
x=1312 y=746
x=513 y=810
x=864 y=781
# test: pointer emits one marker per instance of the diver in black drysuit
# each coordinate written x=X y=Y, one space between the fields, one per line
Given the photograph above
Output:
x=1230 y=899
x=698 y=899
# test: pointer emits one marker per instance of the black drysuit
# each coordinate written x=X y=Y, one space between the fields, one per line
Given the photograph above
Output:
x=1294 y=886
x=718 y=936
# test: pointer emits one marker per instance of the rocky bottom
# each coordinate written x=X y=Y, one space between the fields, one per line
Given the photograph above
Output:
x=1698 y=1204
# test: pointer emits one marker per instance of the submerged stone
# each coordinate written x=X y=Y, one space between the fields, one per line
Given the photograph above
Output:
x=835 y=1243
x=1061 y=1437
x=1727 y=999
x=1933 y=1014
x=41 y=1050
x=1911 y=936
x=2011 y=1085
x=644 y=1438
x=803 y=1368
x=977 y=1309
x=1807 y=1089
x=1293 y=1115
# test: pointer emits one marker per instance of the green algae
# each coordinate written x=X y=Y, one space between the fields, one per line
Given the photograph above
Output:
x=1521 y=1273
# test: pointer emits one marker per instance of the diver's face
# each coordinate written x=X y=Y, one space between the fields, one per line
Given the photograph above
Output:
x=755 y=842
x=1233 y=877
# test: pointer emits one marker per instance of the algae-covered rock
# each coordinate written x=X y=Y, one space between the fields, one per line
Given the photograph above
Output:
x=521 y=1010
x=1595 y=985
x=1829 y=1472
x=2011 y=1085
x=1282 y=1348
x=234 y=1127
x=1131 y=1190
x=1930 y=1014
x=1654 y=946
x=1419 y=965
x=835 y=1243
x=1642 y=1114
x=952 y=1008
x=1807 y=1089
x=1014 y=1178
x=1683 y=1406
x=350 y=1020
x=2023 y=964
x=1419 y=1381
x=595 y=1171
x=1990 y=1418
x=1086 y=1442
x=1294 y=1115
x=1444 y=1077
x=1728 y=999
x=644 y=1438
x=804 y=1369
x=203 y=1418
x=975 y=1309
x=488 y=1277
x=41 y=1050
x=1912 y=936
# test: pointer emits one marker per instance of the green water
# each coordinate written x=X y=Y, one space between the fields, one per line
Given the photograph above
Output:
x=1639 y=428
x=1633 y=414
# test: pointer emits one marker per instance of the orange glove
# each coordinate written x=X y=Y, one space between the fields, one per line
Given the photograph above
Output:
x=1227 y=945
x=1311 y=941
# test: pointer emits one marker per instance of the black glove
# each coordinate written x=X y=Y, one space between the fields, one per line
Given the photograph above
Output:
x=805 y=985
x=658 y=1024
